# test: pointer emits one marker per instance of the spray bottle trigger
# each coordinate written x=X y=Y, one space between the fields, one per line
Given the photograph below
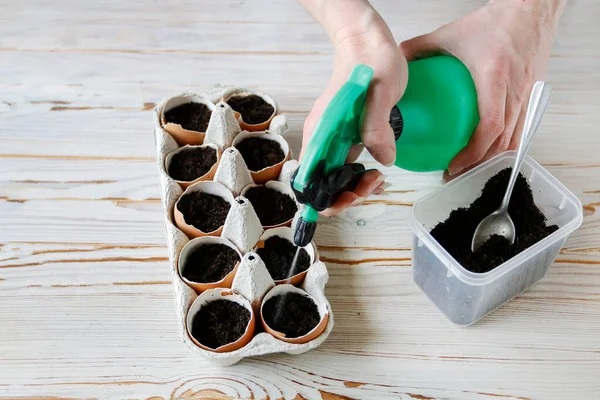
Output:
x=345 y=179
x=323 y=190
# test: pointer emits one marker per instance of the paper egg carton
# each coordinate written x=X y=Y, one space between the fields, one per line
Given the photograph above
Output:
x=242 y=226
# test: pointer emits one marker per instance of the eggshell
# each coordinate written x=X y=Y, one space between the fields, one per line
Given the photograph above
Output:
x=189 y=248
x=242 y=226
x=281 y=188
x=208 y=187
x=314 y=333
x=221 y=294
x=253 y=127
x=181 y=135
x=206 y=177
x=222 y=127
x=272 y=172
x=232 y=171
x=288 y=234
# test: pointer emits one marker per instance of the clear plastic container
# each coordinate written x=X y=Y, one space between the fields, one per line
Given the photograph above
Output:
x=463 y=296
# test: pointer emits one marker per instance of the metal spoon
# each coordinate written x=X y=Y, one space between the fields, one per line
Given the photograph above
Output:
x=499 y=222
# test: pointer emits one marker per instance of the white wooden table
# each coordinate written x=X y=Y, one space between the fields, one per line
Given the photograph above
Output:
x=86 y=307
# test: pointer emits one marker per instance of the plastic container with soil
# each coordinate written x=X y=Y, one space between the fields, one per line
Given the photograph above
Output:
x=186 y=118
x=208 y=262
x=202 y=209
x=264 y=154
x=220 y=321
x=274 y=203
x=466 y=287
x=292 y=315
x=193 y=163
x=276 y=248
x=254 y=110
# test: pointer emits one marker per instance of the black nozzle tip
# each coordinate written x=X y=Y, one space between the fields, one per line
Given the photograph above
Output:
x=304 y=232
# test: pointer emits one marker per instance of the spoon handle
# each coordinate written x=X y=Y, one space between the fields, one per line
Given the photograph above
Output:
x=538 y=101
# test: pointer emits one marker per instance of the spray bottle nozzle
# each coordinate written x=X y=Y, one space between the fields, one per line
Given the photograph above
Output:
x=305 y=230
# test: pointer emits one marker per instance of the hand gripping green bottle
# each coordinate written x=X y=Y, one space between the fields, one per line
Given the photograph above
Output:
x=432 y=122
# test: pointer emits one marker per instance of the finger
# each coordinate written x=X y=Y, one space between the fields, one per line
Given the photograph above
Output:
x=492 y=152
x=423 y=46
x=516 y=137
x=368 y=182
x=377 y=134
x=379 y=189
x=365 y=187
x=491 y=92
x=344 y=201
x=354 y=153
x=515 y=104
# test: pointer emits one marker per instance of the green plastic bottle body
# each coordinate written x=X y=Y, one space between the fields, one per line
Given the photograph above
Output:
x=439 y=112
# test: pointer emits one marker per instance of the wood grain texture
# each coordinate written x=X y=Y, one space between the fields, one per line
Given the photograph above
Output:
x=86 y=306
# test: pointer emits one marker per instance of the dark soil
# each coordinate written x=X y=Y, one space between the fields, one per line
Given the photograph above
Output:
x=253 y=108
x=220 y=322
x=292 y=314
x=210 y=263
x=455 y=234
x=278 y=254
x=205 y=211
x=192 y=163
x=191 y=116
x=260 y=153
x=271 y=206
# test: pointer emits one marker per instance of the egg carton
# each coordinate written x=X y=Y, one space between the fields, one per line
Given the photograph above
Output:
x=231 y=178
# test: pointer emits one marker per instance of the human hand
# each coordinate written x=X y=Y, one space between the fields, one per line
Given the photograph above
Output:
x=506 y=47
x=361 y=37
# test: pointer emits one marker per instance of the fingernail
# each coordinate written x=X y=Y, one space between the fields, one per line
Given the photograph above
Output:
x=358 y=201
x=380 y=178
x=455 y=170
x=387 y=185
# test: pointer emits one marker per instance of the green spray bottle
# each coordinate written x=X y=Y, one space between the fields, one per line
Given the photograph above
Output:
x=432 y=122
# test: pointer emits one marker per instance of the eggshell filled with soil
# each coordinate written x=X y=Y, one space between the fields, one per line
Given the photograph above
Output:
x=264 y=154
x=220 y=321
x=277 y=250
x=186 y=118
x=292 y=315
x=274 y=203
x=193 y=163
x=254 y=109
x=208 y=262
x=202 y=209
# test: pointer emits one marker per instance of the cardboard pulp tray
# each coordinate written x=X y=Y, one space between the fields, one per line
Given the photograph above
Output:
x=252 y=280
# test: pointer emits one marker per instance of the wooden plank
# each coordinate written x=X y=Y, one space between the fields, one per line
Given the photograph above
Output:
x=85 y=299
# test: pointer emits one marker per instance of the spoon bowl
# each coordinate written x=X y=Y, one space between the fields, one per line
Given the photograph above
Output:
x=499 y=222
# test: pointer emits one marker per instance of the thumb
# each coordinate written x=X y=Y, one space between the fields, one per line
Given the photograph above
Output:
x=423 y=46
